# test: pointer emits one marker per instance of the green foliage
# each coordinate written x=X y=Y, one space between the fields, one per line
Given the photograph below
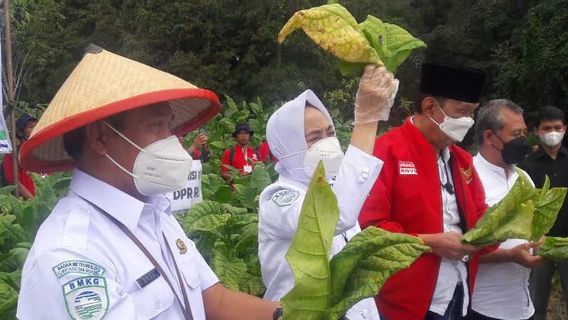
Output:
x=19 y=222
x=225 y=228
x=326 y=290
x=524 y=213
x=363 y=266
x=554 y=248
x=334 y=29
x=546 y=209
x=308 y=255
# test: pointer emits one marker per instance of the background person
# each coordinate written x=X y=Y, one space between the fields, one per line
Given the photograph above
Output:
x=551 y=159
x=24 y=127
x=199 y=149
x=502 y=284
x=241 y=156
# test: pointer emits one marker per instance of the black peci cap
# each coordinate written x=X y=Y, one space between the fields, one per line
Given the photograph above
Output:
x=458 y=83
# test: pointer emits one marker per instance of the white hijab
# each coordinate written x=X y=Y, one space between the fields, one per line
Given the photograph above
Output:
x=285 y=135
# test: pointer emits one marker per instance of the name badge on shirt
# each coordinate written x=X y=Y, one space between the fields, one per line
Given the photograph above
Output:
x=148 y=277
x=247 y=169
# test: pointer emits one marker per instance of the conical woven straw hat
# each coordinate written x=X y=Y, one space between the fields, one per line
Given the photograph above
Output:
x=104 y=84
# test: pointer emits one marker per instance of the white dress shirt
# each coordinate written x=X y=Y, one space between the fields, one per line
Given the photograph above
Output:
x=278 y=222
x=501 y=289
x=451 y=272
x=82 y=265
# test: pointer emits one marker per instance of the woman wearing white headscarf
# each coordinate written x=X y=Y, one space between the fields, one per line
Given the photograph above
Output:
x=300 y=133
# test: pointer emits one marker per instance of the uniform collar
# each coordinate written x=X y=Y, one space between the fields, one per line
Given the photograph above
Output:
x=113 y=201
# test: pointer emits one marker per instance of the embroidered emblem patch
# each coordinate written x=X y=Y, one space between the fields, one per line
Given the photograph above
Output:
x=285 y=197
x=78 y=266
x=467 y=174
x=86 y=298
x=181 y=246
x=407 y=168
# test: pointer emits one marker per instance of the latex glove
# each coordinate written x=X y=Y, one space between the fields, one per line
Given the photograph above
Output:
x=375 y=96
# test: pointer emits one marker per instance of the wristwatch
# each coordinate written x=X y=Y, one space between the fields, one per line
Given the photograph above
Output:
x=277 y=314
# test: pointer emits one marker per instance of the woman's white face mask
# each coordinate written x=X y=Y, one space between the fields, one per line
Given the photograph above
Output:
x=160 y=167
x=454 y=128
x=327 y=150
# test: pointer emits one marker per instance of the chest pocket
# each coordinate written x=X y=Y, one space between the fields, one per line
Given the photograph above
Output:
x=192 y=281
x=153 y=299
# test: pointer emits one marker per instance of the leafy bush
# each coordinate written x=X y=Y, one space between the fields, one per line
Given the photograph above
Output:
x=19 y=222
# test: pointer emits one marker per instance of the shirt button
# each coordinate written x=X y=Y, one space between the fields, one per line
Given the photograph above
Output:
x=364 y=175
x=364 y=313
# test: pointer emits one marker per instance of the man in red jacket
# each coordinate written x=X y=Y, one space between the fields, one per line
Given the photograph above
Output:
x=429 y=188
x=240 y=156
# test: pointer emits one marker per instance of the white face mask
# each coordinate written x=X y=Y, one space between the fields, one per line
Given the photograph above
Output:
x=455 y=129
x=327 y=150
x=160 y=167
x=551 y=139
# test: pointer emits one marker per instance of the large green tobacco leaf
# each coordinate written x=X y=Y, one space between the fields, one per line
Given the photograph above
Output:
x=392 y=43
x=546 y=209
x=308 y=255
x=510 y=218
x=554 y=248
x=524 y=213
x=334 y=29
x=365 y=263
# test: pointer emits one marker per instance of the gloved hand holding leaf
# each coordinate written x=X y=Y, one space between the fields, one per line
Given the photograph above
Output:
x=325 y=290
x=334 y=29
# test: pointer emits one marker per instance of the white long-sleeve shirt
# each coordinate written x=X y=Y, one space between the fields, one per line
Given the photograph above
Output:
x=501 y=289
x=280 y=206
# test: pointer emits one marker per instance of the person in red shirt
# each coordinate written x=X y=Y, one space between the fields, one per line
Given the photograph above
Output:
x=24 y=127
x=429 y=188
x=199 y=149
x=264 y=153
x=241 y=156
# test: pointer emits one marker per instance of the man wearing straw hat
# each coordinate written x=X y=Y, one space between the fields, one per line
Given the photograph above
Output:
x=110 y=248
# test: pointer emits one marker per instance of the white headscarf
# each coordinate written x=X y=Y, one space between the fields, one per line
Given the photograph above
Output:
x=285 y=135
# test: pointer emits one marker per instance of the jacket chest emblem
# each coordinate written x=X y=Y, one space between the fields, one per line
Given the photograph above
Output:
x=407 y=168
x=467 y=174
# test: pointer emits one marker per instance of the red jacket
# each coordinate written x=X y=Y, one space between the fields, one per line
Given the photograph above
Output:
x=238 y=160
x=23 y=176
x=407 y=198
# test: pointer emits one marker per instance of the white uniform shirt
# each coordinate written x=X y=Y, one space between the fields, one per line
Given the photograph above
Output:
x=501 y=289
x=82 y=264
x=280 y=206
x=451 y=272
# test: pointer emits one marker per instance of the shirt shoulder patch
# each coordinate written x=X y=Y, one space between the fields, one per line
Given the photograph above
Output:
x=285 y=197
x=86 y=298
x=78 y=267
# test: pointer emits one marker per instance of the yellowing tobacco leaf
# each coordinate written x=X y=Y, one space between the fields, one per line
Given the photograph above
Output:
x=334 y=29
